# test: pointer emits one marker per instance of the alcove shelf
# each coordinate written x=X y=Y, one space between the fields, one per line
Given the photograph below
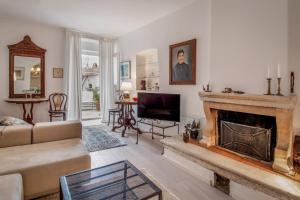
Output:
x=147 y=69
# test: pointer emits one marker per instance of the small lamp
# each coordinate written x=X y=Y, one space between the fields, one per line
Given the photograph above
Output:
x=126 y=87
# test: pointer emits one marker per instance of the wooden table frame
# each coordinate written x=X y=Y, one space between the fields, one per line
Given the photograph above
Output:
x=127 y=119
x=27 y=115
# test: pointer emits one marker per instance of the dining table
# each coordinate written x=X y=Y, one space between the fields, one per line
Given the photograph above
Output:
x=126 y=118
x=27 y=114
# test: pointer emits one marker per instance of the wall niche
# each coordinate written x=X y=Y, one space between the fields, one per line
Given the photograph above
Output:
x=147 y=70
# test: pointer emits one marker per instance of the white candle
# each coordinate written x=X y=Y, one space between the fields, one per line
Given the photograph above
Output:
x=278 y=71
x=269 y=71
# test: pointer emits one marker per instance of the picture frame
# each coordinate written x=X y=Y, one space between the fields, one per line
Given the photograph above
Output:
x=19 y=73
x=182 y=63
x=125 y=70
x=58 y=72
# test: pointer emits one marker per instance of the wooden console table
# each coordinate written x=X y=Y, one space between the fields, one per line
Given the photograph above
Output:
x=27 y=115
x=126 y=118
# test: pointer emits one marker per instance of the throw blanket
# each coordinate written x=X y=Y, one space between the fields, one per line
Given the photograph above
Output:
x=11 y=121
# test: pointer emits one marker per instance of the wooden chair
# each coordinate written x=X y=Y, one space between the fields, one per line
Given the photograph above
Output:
x=114 y=112
x=58 y=104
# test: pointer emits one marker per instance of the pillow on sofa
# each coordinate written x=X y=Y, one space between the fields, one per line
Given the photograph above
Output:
x=11 y=121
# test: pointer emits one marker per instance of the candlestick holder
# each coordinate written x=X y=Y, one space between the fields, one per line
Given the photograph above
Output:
x=292 y=83
x=278 y=87
x=269 y=86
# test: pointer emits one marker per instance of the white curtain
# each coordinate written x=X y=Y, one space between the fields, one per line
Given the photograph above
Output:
x=107 y=77
x=73 y=72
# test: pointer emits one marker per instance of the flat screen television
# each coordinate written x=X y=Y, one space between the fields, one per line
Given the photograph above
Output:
x=159 y=106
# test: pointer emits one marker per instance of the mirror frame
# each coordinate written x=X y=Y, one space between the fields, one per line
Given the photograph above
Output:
x=26 y=48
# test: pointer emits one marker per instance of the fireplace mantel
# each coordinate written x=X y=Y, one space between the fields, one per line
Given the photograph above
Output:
x=284 y=102
x=281 y=107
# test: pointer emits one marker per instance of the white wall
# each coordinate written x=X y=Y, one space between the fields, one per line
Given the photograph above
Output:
x=294 y=50
x=237 y=40
x=247 y=35
x=185 y=24
x=48 y=37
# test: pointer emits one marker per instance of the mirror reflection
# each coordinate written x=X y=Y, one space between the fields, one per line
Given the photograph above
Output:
x=27 y=75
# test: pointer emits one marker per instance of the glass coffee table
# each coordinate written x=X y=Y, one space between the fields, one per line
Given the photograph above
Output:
x=121 y=180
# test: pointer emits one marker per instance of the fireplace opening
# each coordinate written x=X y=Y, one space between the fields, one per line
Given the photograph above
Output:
x=247 y=134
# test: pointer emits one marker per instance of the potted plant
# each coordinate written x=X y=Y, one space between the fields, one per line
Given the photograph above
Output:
x=96 y=98
x=193 y=129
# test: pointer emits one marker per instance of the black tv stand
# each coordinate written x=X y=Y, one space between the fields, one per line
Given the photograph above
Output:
x=157 y=125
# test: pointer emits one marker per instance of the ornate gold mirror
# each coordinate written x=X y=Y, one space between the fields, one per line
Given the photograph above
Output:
x=26 y=69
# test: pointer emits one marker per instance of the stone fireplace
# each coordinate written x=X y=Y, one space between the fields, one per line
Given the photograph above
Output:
x=256 y=126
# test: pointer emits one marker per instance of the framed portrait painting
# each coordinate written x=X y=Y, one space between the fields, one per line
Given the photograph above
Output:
x=125 y=70
x=182 y=59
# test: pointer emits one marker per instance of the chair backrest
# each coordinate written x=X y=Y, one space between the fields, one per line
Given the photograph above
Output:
x=58 y=101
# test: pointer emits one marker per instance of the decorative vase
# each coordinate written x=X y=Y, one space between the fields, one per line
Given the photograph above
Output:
x=143 y=85
x=194 y=134
x=98 y=105
x=186 y=137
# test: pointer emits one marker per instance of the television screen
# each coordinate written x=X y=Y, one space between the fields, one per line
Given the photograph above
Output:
x=159 y=106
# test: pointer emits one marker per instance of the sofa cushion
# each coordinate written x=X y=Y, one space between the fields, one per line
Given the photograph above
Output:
x=15 y=135
x=42 y=164
x=11 y=187
x=54 y=131
x=11 y=121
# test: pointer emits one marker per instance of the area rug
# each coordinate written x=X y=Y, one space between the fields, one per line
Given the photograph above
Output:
x=166 y=193
x=97 y=138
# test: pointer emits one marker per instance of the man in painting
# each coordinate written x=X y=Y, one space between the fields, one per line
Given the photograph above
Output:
x=182 y=71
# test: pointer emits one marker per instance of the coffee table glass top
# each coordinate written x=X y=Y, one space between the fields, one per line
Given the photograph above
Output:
x=120 y=180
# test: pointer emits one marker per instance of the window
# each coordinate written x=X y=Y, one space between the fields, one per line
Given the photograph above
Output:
x=90 y=78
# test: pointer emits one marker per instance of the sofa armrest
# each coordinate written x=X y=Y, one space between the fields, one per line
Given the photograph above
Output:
x=15 y=135
x=54 y=131
x=11 y=187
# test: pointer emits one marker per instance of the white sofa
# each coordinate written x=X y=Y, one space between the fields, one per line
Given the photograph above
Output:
x=41 y=154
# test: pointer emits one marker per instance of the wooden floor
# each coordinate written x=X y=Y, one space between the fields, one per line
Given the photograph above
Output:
x=147 y=155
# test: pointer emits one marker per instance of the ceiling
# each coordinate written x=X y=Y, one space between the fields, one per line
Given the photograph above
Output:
x=102 y=17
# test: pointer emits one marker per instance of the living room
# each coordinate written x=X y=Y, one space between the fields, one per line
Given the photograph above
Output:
x=194 y=99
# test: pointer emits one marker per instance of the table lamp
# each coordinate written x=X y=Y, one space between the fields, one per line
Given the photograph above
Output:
x=126 y=87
